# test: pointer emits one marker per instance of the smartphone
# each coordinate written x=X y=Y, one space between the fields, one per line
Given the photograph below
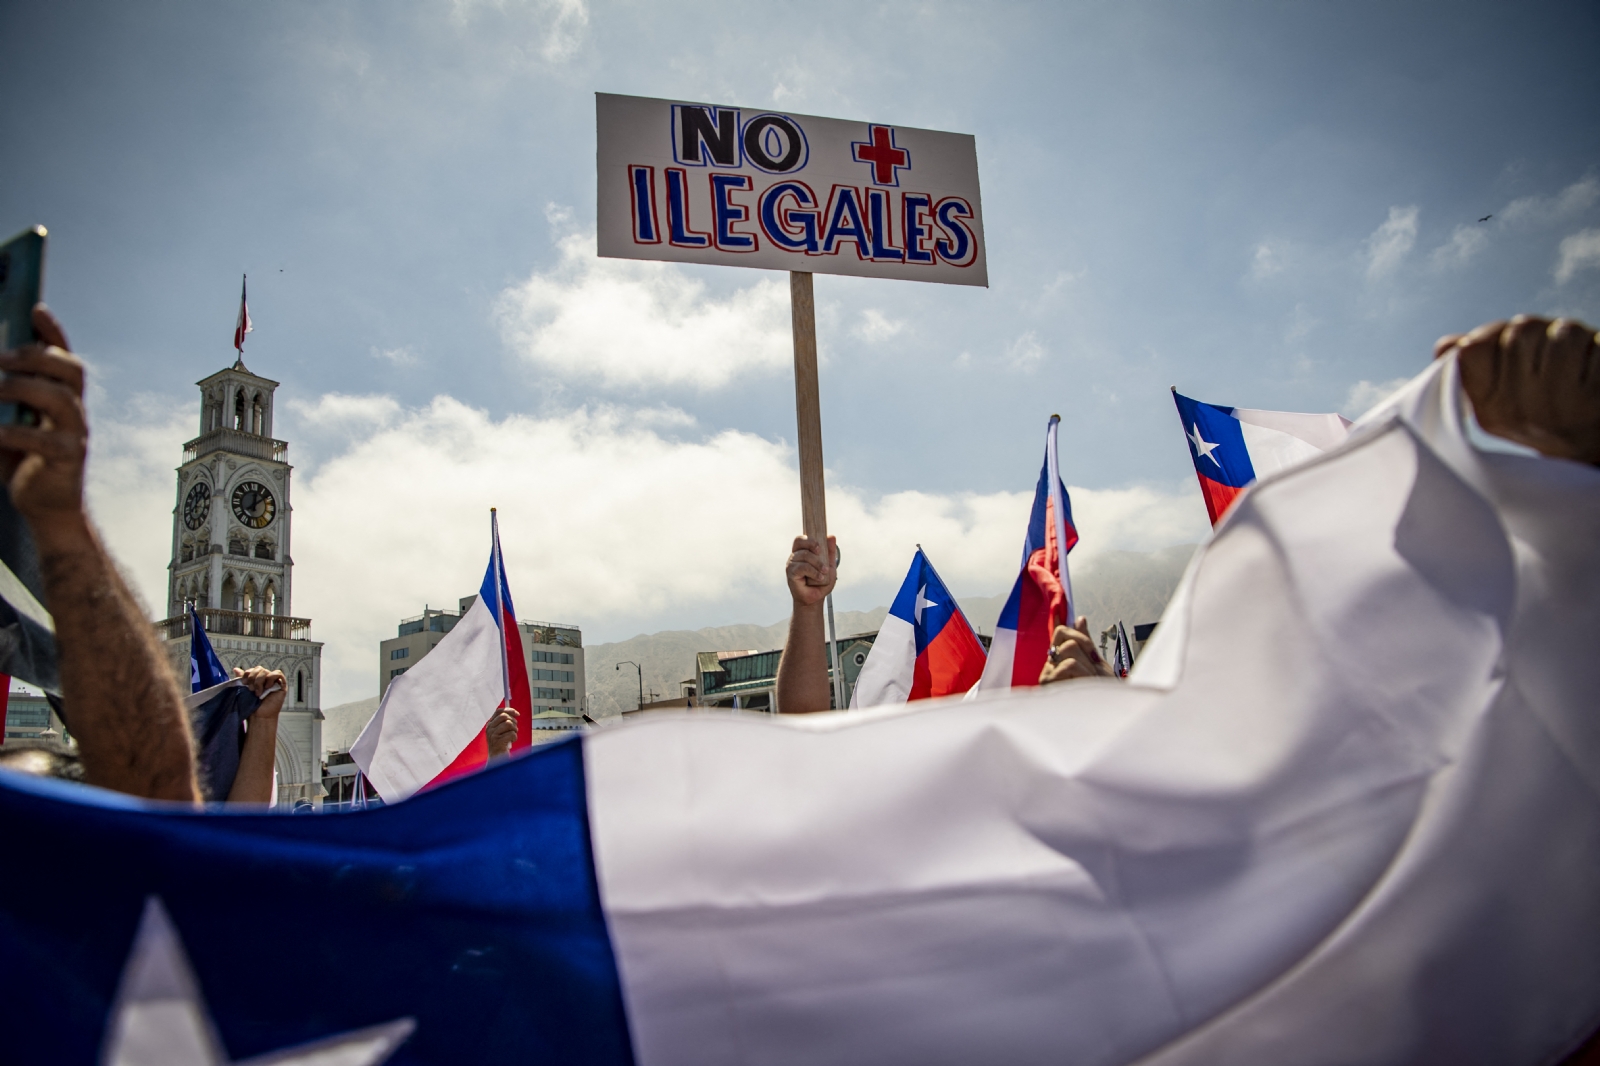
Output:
x=21 y=279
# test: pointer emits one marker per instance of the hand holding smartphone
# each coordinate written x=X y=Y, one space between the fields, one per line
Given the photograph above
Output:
x=21 y=282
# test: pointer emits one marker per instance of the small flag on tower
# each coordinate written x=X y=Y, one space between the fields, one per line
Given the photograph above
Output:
x=244 y=325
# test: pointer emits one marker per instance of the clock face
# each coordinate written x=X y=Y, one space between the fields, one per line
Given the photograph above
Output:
x=197 y=505
x=253 y=504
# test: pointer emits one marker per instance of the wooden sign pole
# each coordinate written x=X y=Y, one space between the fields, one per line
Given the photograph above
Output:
x=808 y=407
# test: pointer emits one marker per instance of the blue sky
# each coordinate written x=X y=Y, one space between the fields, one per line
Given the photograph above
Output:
x=1266 y=205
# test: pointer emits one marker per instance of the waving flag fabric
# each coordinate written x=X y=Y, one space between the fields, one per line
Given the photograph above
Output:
x=243 y=325
x=430 y=725
x=1201 y=865
x=924 y=648
x=1233 y=446
x=1041 y=599
x=205 y=669
x=1122 y=652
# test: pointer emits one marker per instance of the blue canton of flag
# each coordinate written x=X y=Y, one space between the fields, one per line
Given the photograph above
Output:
x=205 y=669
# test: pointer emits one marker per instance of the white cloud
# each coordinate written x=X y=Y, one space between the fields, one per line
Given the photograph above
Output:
x=1026 y=352
x=338 y=410
x=1574 y=199
x=561 y=25
x=1391 y=242
x=1365 y=395
x=402 y=356
x=1578 y=252
x=1465 y=242
x=1265 y=262
x=131 y=484
x=876 y=326
x=633 y=323
x=598 y=518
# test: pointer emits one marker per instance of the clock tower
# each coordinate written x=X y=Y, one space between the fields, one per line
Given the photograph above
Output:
x=231 y=561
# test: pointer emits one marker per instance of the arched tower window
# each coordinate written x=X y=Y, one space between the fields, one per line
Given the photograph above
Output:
x=269 y=600
x=258 y=416
x=238 y=411
x=230 y=594
x=299 y=686
x=264 y=549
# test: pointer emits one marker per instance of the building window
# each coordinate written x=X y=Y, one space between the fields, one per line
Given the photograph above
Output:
x=399 y=653
x=552 y=675
x=554 y=694
x=299 y=686
x=397 y=673
x=237 y=546
x=264 y=549
x=564 y=657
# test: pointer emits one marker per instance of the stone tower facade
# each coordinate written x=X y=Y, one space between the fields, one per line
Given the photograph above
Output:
x=230 y=559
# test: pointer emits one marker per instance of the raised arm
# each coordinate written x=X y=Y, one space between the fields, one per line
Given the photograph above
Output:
x=121 y=699
x=253 y=782
x=803 y=671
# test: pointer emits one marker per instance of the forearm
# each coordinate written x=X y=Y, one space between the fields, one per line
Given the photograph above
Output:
x=253 y=783
x=803 y=671
x=121 y=699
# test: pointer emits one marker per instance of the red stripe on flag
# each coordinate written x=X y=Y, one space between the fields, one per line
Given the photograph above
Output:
x=520 y=696
x=473 y=757
x=1219 y=497
x=950 y=664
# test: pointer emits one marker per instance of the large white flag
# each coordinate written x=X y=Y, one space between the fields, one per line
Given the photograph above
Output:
x=1377 y=842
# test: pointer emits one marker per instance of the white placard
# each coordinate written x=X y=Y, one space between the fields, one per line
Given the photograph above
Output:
x=744 y=186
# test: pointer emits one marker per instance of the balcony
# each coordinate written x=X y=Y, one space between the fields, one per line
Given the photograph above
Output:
x=238 y=624
x=238 y=442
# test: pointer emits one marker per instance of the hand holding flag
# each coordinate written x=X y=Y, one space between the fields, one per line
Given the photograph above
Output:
x=1041 y=599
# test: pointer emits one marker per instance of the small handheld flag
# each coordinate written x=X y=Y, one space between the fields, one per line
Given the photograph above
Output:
x=205 y=669
x=1233 y=446
x=243 y=325
x=1041 y=599
x=430 y=725
x=925 y=648
x=1122 y=653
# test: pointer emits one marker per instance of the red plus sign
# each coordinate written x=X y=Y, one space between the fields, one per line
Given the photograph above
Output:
x=882 y=154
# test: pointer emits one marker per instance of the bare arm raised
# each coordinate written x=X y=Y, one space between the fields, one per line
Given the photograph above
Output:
x=803 y=670
x=121 y=699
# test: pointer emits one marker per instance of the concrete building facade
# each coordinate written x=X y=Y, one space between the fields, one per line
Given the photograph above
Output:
x=552 y=653
x=230 y=561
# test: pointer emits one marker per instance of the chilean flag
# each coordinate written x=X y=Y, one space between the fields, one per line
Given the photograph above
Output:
x=925 y=647
x=243 y=325
x=1042 y=597
x=430 y=725
x=1233 y=446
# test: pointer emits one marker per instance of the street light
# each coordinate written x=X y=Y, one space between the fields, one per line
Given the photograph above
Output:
x=636 y=666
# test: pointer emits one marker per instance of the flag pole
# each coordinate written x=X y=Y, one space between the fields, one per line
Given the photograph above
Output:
x=500 y=608
x=808 y=407
x=1059 y=507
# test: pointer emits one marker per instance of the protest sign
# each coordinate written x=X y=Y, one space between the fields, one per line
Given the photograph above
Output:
x=740 y=186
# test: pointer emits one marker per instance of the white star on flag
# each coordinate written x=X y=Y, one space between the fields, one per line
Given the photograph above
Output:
x=922 y=601
x=160 y=1018
x=1203 y=449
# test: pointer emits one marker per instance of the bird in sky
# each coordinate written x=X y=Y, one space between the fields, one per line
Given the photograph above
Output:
x=1485 y=218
